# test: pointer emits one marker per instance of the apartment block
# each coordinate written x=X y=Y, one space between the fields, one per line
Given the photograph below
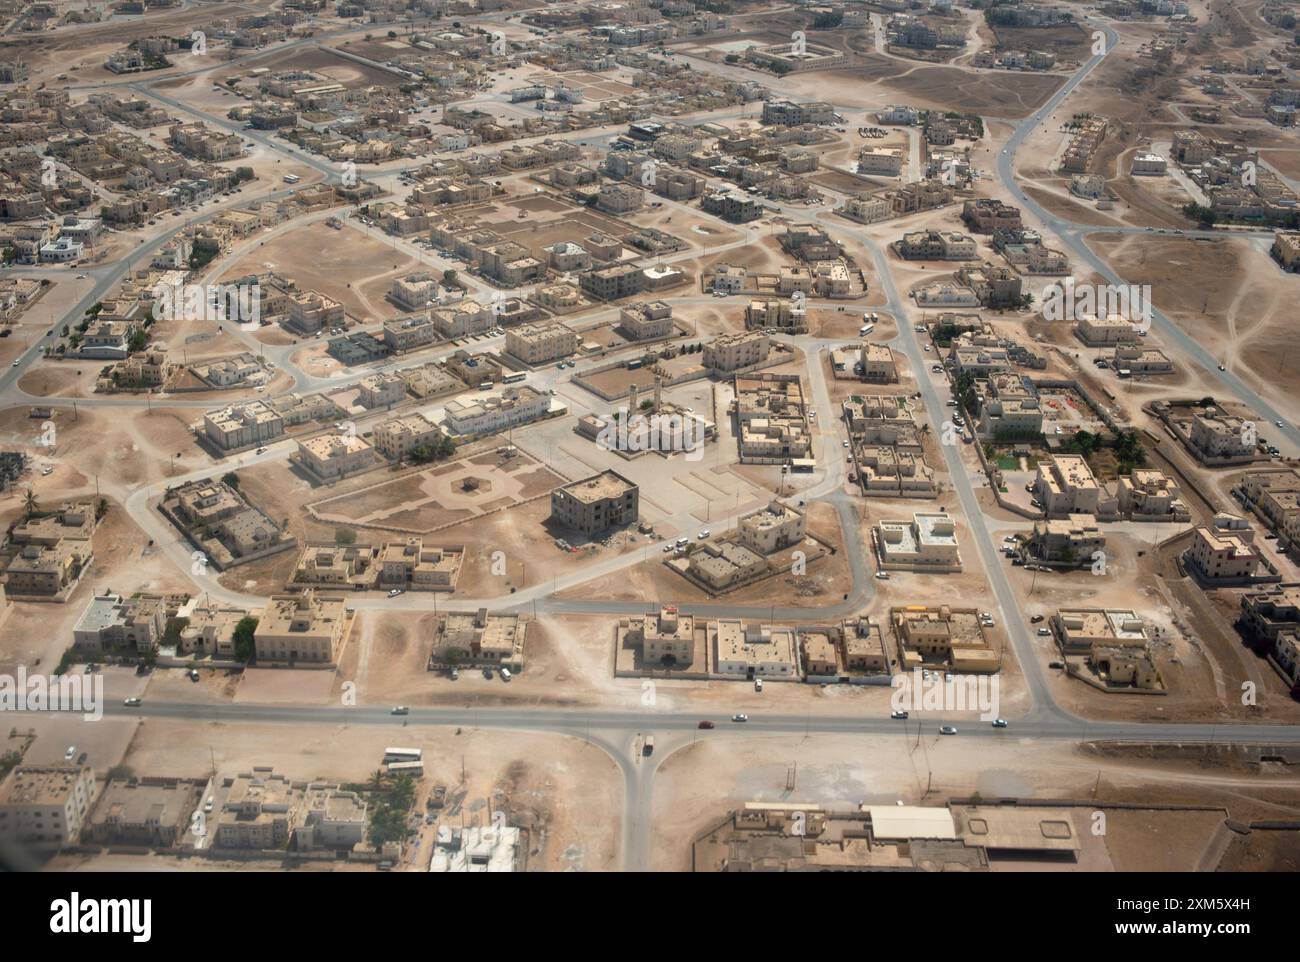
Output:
x=731 y=352
x=44 y=807
x=333 y=456
x=1224 y=555
x=397 y=438
x=595 y=504
x=538 y=343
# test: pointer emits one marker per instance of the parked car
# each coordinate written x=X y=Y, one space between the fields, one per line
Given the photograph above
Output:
x=1036 y=619
x=71 y=753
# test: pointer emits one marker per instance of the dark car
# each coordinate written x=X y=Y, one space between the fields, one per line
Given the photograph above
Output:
x=705 y=724
x=1036 y=619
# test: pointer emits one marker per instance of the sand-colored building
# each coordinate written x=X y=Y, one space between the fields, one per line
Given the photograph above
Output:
x=304 y=627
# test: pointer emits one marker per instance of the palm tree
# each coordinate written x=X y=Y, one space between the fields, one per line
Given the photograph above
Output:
x=30 y=504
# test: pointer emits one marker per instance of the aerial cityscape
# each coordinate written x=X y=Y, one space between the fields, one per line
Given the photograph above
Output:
x=649 y=436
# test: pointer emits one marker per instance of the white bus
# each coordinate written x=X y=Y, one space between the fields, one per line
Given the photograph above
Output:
x=514 y=378
x=291 y=178
x=414 y=769
x=402 y=755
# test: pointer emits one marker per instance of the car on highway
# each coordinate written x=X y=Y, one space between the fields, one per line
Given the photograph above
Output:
x=999 y=723
x=740 y=717
x=1278 y=422
x=131 y=702
x=947 y=730
x=17 y=362
x=71 y=753
x=1222 y=368
x=705 y=724
x=898 y=715
x=400 y=710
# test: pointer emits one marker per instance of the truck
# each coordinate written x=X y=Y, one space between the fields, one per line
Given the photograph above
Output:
x=648 y=747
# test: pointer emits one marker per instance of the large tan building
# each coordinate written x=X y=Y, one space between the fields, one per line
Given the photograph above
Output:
x=772 y=528
x=306 y=627
x=332 y=456
x=1224 y=555
x=666 y=637
x=603 y=501
x=396 y=438
x=730 y=352
x=44 y=808
x=411 y=565
x=928 y=542
x=538 y=343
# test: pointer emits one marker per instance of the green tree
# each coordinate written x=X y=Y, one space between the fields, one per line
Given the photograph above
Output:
x=231 y=479
x=345 y=536
x=243 y=636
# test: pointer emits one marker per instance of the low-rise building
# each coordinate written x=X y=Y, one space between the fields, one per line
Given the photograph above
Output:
x=666 y=637
x=153 y=812
x=1074 y=540
x=112 y=623
x=750 y=651
x=305 y=627
x=928 y=542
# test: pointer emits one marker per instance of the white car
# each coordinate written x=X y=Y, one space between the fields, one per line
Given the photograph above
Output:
x=400 y=710
x=71 y=753
x=947 y=730
x=703 y=534
x=131 y=702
